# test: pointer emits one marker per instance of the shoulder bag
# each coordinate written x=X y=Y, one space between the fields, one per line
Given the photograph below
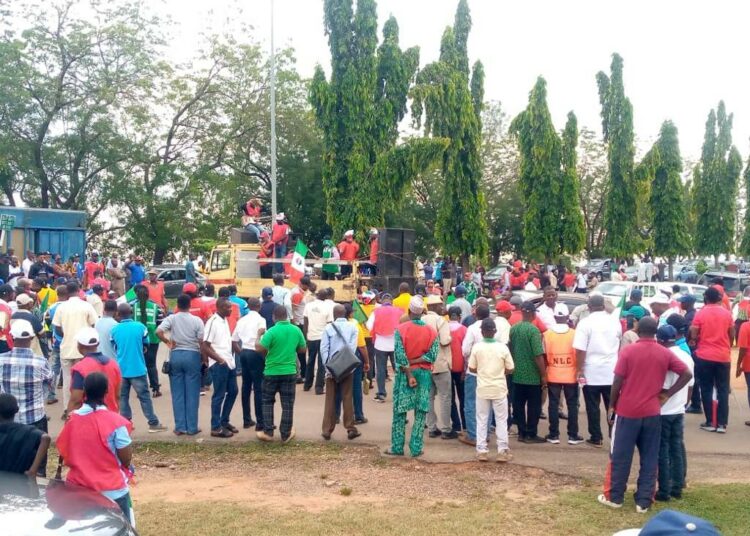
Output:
x=343 y=362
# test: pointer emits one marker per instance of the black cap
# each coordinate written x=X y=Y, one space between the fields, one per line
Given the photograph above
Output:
x=6 y=289
x=528 y=307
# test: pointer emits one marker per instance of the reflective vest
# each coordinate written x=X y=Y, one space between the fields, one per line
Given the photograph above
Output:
x=561 y=356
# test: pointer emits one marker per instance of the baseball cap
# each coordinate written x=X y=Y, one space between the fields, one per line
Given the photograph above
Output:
x=503 y=306
x=672 y=522
x=528 y=307
x=21 y=329
x=267 y=292
x=433 y=299
x=460 y=290
x=661 y=298
x=636 y=311
x=678 y=322
x=350 y=232
x=666 y=333
x=87 y=337
x=280 y=216
x=687 y=298
x=516 y=300
x=561 y=310
x=416 y=304
x=636 y=293
x=24 y=299
x=188 y=288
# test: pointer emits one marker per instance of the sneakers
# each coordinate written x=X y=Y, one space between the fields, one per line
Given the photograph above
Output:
x=353 y=434
x=706 y=427
x=154 y=428
x=450 y=435
x=363 y=420
x=555 y=440
x=606 y=502
x=692 y=409
x=596 y=444
x=435 y=433
x=641 y=510
x=535 y=440
x=482 y=456
x=260 y=434
x=380 y=399
x=221 y=432
x=721 y=429
x=575 y=440
x=504 y=457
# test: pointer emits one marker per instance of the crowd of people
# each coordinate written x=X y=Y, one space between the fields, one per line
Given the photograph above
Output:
x=465 y=364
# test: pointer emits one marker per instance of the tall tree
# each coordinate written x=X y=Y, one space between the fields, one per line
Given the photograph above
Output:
x=715 y=185
x=451 y=100
x=667 y=198
x=620 y=221
x=572 y=230
x=364 y=172
x=592 y=172
x=745 y=243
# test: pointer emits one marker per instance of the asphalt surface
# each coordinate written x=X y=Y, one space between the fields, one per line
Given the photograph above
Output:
x=712 y=457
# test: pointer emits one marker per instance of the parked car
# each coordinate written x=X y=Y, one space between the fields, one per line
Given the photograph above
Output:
x=601 y=267
x=571 y=299
x=733 y=282
x=686 y=273
x=615 y=290
x=173 y=276
x=493 y=275
x=52 y=508
x=631 y=272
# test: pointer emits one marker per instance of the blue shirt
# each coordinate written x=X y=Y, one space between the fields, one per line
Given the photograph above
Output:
x=119 y=439
x=438 y=270
x=330 y=342
x=56 y=339
x=128 y=338
x=189 y=272
x=242 y=304
x=104 y=327
x=137 y=273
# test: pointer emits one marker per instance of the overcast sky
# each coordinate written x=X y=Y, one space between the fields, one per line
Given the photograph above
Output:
x=680 y=57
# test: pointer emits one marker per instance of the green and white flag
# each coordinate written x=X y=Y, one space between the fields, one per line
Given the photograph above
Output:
x=297 y=267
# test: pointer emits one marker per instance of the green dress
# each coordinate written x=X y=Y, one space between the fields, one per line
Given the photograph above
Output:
x=407 y=398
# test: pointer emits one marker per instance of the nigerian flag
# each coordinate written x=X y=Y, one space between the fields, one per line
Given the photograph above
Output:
x=358 y=313
x=297 y=268
x=620 y=310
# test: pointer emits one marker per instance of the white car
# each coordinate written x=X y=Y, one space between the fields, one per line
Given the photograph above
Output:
x=615 y=290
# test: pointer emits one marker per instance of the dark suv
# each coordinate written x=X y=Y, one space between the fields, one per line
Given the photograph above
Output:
x=733 y=282
x=173 y=276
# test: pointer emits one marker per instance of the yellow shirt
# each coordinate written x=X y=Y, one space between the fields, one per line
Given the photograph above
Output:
x=51 y=295
x=360 y=333
x=368 y=309
x=402 y=302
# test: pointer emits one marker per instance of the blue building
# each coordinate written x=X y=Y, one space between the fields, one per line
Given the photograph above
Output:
x=60 y=232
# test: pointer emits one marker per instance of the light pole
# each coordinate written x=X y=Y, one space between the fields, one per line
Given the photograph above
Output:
x=273 y=124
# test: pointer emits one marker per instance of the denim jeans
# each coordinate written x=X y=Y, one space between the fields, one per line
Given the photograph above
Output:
x=747 y=381
x=457 y=408
x=224 y=395
x=279 y=251
x=714 y=374
x=381 y=368
x=55 y=365
x=185 y=385
x=359 y=413
x=140 y=384
x=254 y=228
x=671 y=460
x=252 y=380
x=470 y=406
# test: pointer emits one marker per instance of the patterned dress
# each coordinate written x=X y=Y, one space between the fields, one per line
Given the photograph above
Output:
x=407 y=398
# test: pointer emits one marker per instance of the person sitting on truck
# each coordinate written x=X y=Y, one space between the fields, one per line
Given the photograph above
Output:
x=251 y=217
x=348 y=251
x=280 y=239
x=266 y=252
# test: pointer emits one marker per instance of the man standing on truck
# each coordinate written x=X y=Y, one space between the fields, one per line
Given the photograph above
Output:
x=280 y=238
x=348 y=251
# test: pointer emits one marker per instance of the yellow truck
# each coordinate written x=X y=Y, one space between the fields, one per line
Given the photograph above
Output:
x=237 y=264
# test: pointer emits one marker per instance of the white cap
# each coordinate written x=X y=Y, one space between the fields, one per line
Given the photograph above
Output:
x=561 y=309
x=373 y=231
x=416 y=304
x=661 y=298
x=87 y=337
x=350 y=232
x=280 y=216
x=21 y=329
x=24 y=299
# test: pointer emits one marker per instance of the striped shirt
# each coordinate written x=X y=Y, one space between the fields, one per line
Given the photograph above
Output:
x=26 y=377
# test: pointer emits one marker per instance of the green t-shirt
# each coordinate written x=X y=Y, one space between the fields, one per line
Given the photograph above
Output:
x=525 y=345
x=282 y=341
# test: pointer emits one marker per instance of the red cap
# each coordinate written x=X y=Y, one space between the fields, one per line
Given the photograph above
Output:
x=189 y=288
x=517 y=264
x=503 y=306
x=719 y=288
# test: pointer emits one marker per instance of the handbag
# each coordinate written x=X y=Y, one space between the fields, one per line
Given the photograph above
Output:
x=343 y=362
x=166 y=368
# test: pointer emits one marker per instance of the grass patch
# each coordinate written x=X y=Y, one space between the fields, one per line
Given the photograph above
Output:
x=251 y=451
x=574 y=512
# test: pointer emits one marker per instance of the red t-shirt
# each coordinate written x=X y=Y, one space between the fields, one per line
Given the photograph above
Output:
x=280 y=233
x=458 y=332
x=569 y=280
x=90 y=267
x=348 y=250
x=643 y=367
x=374 y=251
x=516 y=316
x=743 y=341
x=714 y=322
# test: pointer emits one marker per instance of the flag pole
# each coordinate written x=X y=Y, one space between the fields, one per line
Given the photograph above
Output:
x=273 y=123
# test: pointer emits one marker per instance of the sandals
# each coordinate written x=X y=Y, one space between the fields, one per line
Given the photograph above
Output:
x=222 y=432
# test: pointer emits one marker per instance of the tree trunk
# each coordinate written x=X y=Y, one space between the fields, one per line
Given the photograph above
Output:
x=671 y=268
x=159 y=254
x=716 y=261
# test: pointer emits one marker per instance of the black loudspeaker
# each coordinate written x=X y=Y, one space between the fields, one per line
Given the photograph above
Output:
x=391 y=284
x=396 y=253
x=239 y=235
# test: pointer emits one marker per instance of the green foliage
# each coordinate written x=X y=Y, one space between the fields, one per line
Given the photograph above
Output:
x=745 y=244
x=548 y=172
x=449 y=104
x=667 y=201
x=620 y=218
x=593 y=175
x=715 y=185
x=358 y=112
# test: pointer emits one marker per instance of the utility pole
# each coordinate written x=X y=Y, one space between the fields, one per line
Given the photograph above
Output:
x=273 y=124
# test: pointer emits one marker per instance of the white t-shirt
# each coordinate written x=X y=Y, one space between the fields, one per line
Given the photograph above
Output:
x=491 y=359
x=384 y=343
x=26 y=266
x=676 y=404
x=546 y=314
x=599 y=336
x=72 y=316
x=218 y=334
x=581 y=281
x=318 y=313
x=246 y=330
x=503 y=329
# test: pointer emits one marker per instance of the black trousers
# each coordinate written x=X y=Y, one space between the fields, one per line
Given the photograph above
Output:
x=715 y=374
x=592 y=395
x=41 y=424
x=252 y=381
x=302 y=358
x=458 y=420
x=286 y=386
x=151 y=370
x=570 y=391
x=313 y=358
x=527 y=407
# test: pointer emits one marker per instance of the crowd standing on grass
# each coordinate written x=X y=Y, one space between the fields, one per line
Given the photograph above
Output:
x=465 y=358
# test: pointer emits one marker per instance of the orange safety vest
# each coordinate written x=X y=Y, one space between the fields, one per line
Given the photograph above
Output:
x=561 y=356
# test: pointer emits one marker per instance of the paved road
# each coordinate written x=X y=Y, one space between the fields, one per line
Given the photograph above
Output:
x=712 y=457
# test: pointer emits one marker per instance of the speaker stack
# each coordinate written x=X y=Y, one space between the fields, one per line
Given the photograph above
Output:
x=395 y=259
